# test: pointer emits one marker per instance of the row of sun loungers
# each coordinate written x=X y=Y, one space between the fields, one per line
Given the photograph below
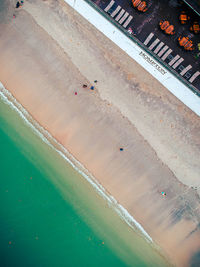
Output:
x=119 y=14
x=158 y=47
x=165 y=52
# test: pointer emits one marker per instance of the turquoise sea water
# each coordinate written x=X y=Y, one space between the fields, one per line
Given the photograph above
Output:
x=50 y=215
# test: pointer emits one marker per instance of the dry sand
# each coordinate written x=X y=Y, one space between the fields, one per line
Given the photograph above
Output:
x=47 y=52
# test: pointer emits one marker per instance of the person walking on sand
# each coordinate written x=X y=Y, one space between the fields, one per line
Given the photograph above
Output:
x=18 y=4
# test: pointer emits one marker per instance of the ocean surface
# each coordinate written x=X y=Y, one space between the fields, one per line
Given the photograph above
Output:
x=51 y=214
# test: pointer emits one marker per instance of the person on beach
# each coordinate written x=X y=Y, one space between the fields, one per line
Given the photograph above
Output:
x=18 y=4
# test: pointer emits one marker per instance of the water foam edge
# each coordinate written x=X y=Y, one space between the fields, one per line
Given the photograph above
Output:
x=9 y=99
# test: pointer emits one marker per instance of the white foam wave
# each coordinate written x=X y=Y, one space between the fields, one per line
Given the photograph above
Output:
x=8 y=98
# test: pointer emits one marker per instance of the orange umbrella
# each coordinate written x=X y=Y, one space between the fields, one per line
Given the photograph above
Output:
x=164 y=25
x=195 y=27
x=170 y=29
x=140 y=5
x=186 y=43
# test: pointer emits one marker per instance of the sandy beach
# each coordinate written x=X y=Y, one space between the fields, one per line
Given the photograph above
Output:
x=47 y=53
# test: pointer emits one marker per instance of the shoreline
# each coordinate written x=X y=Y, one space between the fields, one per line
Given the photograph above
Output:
x=92 y=125
x=46 y=137
x=120 y=102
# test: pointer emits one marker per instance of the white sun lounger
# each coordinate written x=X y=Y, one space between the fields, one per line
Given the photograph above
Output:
x=185 y=70
x=158 y=47
x=121 y=13
x=123 y=18
x=115 y=11
x=177 y=63
x=109 y=5
x=194 y=76
x=163 y=50
x=173 y=60
x=127 y=21
x=154 y=43
x=166 y=54
x=148 y=38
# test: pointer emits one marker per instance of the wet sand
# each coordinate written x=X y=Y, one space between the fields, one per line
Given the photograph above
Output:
x=47 y=53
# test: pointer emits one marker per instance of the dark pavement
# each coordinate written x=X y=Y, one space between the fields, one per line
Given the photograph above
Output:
x=143 y=24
